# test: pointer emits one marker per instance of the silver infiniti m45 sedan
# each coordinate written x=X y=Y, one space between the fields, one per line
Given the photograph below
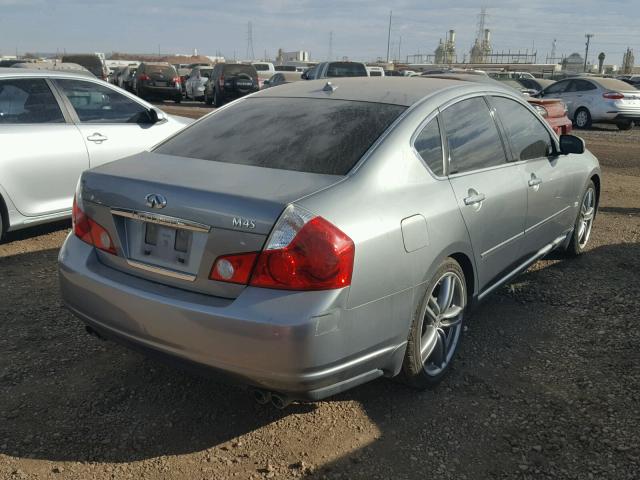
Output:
x=312 y=237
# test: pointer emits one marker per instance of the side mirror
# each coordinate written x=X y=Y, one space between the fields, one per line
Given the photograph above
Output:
x=571 y=144
x=155 y=116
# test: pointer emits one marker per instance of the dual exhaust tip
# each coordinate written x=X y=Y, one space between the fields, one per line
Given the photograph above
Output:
x=278 y=400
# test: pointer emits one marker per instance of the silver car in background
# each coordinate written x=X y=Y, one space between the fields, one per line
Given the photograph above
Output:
x=53 y=126
x=197 y=81
x=597 y=100
x=315 y=236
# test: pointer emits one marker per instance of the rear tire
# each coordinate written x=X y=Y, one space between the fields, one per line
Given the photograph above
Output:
x=436 y=328
x=582 y=118
x=207 y=100
x=628 y=125
x=178 y=99
x=584 y=222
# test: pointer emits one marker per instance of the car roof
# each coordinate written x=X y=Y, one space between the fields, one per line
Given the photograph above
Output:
x=31 y=72
x=392 y=90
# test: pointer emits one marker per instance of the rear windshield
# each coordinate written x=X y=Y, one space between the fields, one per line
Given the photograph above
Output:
x=302 y=134
x=612 y=83
x=346 y=69
x=238 y=69
x=90 y=62
x=166 y=70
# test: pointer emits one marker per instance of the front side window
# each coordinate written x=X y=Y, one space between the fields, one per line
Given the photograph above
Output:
x=95 y=103
x=280 y=133
x=429 y=145
x=528 y=137
x=474 y=141
x=558 y=87
x=28 y=100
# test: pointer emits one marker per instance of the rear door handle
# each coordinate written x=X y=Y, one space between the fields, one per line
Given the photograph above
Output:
x=535 y=181
x=474 y=199
x=97 y=138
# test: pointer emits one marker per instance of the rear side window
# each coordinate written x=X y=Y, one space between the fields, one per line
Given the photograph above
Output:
x=28 y=100
x=346 y=69
x=474 y=141
x=95 y=103
x=261 y=67
x=528 y=137
x=281 y=133
x=581 y=86
x=429 y=145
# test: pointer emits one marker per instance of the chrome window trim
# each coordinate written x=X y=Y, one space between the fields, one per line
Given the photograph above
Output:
x=164 y=220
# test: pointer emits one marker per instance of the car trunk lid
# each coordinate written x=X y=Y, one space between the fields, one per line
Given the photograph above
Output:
x=208 y=209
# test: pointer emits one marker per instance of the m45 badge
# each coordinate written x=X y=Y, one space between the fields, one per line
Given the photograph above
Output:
x=247 y=223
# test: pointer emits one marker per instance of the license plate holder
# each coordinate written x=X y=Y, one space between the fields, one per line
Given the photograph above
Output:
x=167 y=244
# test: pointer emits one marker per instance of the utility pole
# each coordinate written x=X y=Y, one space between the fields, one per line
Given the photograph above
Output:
x=588 y=36
x=250 y=53
x=389 y=35
x=399 y=47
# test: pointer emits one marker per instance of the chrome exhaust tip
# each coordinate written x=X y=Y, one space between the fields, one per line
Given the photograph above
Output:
x=261 y=396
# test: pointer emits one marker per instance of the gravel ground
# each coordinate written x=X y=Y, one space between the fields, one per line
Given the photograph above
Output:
x=547 y=383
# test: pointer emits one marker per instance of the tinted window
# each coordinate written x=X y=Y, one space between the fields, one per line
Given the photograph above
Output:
x=93 y=63
x=280 y=133
x=28 y=100
x=581 y=86
x=346 y=69
x=474 y=141
x=557 y=87
x=375 y=73
x=206 y=73
x=231 y=69
x=166 y=70
x=261 y=67
x=97 y=104
x=429 y=145
x=528 y=137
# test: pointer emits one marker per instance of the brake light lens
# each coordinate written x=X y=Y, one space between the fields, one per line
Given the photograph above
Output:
x=144 y=77
x=89 y=231
x=177 y=80
x=613 y=95
x=234 y=268
x=304 y=252
x=221 y=81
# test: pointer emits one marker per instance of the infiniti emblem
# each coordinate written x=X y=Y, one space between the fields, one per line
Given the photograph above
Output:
x=155 y=200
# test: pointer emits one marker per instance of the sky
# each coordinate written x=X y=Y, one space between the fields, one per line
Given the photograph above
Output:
x=359 y=26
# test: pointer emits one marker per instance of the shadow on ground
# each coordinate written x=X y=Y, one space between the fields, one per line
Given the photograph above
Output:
x=516 y=384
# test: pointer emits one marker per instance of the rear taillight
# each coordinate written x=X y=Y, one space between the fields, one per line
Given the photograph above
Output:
x=221 y=81
x=89 y=231
x=177 y=80
x=144 y=77
x=613 y=95
x=304 y=252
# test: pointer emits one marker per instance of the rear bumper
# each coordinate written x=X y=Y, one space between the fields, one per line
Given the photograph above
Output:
x=296 y=343
x=163 y=92
x=560 y=125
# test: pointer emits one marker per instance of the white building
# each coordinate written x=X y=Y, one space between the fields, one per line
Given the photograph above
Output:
x=298 y=56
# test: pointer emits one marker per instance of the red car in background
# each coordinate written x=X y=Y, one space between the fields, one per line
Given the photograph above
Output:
x=554 y=112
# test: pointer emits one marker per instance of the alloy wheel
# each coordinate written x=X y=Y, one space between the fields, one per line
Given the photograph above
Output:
x=442 y=322
x=587 y=211
x=582 y=119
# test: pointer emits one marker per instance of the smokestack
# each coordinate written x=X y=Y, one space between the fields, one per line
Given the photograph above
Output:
x=452 y=36
x=487 y=35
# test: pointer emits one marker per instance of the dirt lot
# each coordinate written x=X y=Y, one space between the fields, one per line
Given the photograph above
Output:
x=547 y=383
